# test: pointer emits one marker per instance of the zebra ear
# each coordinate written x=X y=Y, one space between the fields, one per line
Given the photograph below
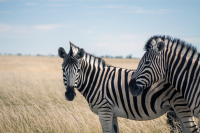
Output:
x=61 y=52
x=80 y=53
x=159 y=46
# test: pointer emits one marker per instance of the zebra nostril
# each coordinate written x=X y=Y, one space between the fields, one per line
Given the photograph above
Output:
x=70 y=93
x=134 y=88
x=70 y=96
x=132 y=83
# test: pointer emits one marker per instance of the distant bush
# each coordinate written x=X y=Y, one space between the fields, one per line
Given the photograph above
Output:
x=129 y=56
x=51 y=55
x=108 y=56
x=39 y=55
x=118 y=56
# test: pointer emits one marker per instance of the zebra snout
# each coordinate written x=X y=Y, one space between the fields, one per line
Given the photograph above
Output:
x=70 y=93
x=135 y=89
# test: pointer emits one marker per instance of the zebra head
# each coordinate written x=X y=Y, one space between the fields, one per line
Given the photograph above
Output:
x=70 y=70
x=149 y=69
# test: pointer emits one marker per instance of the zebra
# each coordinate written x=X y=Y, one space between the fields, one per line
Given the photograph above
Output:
x=106 y=91
x=174 y=60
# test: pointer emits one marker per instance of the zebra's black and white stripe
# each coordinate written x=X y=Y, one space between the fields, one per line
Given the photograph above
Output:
x=175 y=61
x=106 y=91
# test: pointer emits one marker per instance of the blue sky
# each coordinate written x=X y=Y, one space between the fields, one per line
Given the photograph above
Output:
x=101 y=27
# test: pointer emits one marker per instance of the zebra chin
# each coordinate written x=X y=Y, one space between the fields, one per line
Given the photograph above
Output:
x=135 y=89
x=70 y=94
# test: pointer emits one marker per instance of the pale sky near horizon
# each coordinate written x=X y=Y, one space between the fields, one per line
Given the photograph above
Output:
x=101 y=27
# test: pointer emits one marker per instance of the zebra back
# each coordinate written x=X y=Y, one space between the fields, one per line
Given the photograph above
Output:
x=176 y=44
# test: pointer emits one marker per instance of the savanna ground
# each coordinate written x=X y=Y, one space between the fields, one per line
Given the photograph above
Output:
x=32 y=100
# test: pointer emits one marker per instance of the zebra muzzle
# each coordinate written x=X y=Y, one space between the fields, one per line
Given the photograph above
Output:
x=70 y=94
x=135 y=89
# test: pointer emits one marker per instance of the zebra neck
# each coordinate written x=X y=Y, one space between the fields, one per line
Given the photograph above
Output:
x=88 y=78
x=182 y=71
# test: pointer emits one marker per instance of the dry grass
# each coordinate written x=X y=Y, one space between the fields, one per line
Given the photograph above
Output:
x=123 y=63
x=32 y=100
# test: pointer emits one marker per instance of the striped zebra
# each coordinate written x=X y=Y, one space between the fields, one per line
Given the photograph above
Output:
x=106 y=90
x=174 y=60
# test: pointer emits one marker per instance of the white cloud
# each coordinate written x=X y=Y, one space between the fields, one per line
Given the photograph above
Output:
x=30 y=29
x=5 y=12
x=46 y=27
x=133 y=9
x=5 y=27
x=51 y=26
x=79 y=0
x=113 y=6
x=146 y=11
x=31 y=4
x=56 y=5
x=95 y=12
x=87 y=31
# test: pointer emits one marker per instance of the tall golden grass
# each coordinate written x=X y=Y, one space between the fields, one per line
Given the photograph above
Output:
x=32 y=100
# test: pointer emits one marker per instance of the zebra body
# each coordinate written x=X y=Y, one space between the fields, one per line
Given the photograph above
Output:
x=175 y=61
x=106 y=91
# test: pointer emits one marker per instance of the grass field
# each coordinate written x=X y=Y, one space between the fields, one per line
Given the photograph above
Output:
x=32 y=100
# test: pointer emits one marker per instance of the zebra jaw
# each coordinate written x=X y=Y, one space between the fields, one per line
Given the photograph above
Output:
x=135 y=89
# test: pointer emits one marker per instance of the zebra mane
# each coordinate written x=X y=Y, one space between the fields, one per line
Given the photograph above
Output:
x=175 y=44
x=89 y=57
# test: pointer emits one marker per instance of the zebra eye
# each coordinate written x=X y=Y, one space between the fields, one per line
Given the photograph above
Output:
x=147 y=62
x=78 y=70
